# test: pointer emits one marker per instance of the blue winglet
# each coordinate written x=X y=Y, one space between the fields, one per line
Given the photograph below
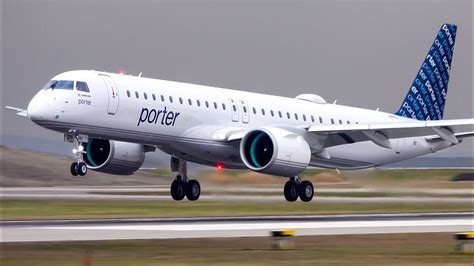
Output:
x=427 y=96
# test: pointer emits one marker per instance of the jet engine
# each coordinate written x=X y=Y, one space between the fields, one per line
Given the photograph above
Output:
x=275 y=151
x=113 y=157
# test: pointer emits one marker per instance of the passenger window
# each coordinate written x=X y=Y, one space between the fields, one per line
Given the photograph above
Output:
x=245 y=109
x=279 y=114
x=340 y=121
x=304 y=117
x=296 y=116
x=332 y=121
x=263 y=111
x=198 y=103
x=223 y=107
x=128 y=94
x=136 y=95
x=215 y=105
x=254 y=110
x=82 y=86
x=190 y=102
x=145 y=96
x=312 y=119
x=154 y=97
x=171 y=99
x=288 y=115
x=207 y=104
x=320 y=120
x=162 y=98
x=271 y=113
x=180 y=100
x=348 y=122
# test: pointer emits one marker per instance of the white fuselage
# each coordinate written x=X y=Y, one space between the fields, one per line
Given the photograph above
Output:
x=187 y=120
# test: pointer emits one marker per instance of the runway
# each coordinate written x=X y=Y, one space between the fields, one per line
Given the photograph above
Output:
x=251 y=226
x=246 y=194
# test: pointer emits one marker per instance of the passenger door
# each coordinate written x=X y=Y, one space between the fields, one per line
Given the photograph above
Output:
x=113 y=94
x=245 y=111
x=234 y=110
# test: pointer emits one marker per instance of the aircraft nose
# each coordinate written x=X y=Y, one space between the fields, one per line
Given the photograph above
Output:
x=37 y=108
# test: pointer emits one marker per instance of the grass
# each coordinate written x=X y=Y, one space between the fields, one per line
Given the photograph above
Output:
x=426 y=178
x=387 y=249
x=356 y=194
x=84 y=209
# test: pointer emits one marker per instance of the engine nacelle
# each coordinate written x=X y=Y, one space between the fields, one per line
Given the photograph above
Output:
x=113 y=157
x=275 y=151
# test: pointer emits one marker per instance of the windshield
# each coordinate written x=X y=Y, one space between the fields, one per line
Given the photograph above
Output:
x=59 y=84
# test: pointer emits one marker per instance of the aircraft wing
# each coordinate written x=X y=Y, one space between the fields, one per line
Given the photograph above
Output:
x=461 y=135
x=380 y=133
x=19 y=111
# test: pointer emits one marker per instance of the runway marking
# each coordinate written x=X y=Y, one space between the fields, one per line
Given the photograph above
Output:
x=114 y=229
x=265 y=225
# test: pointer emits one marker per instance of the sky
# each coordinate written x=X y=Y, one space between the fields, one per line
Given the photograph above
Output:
x=362 y=53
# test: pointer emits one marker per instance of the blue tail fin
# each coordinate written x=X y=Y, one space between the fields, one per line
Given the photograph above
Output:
x=427 y=96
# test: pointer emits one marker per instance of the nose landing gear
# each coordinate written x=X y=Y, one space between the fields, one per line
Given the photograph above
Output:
x=182 y=186
x=79 y=167
x=295 y=188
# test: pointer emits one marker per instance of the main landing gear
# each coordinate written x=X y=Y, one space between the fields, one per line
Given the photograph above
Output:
x=182 y=186
x=78 y=167
x=295 y=188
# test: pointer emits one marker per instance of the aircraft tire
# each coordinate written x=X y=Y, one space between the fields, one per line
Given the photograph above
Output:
x=82 y=169
x=193 y=190
x=291 y=191
x=178 y=190
x=306 y=191
x=74 y=169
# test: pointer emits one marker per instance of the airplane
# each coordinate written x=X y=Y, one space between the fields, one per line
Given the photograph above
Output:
x=112 y=120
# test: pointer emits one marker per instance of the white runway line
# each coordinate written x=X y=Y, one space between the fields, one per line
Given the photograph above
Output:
x=264 y=226
x=122 y=229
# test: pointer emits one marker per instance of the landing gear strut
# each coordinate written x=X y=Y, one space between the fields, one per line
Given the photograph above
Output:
x=295 y=188
x=182 y=186
x=78 y=167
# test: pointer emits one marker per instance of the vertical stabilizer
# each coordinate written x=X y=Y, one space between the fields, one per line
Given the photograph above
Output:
x=427 y=96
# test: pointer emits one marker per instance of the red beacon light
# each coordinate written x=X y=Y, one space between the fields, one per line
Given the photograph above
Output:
x=121 y=71
x=219 y=167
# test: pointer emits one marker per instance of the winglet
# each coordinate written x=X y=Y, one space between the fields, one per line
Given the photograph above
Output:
x=19 y=111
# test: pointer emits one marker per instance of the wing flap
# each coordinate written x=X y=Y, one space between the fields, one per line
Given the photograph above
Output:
x=379 y=133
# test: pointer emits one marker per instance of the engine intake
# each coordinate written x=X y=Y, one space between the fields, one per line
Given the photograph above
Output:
x=275 y=151
x=113 y=157
x=258 y=149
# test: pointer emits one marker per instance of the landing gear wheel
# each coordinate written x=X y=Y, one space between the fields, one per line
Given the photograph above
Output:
x=74 y=169
x=291 y=191
x=193 y=190
x=178 y=190
x=306 y=191
x=82 y=169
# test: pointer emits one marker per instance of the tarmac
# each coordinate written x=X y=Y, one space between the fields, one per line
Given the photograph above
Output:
x=271 y=194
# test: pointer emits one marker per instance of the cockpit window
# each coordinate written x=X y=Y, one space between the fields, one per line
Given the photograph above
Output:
x=65 y=85
x=82 y=86
x=50 y=84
